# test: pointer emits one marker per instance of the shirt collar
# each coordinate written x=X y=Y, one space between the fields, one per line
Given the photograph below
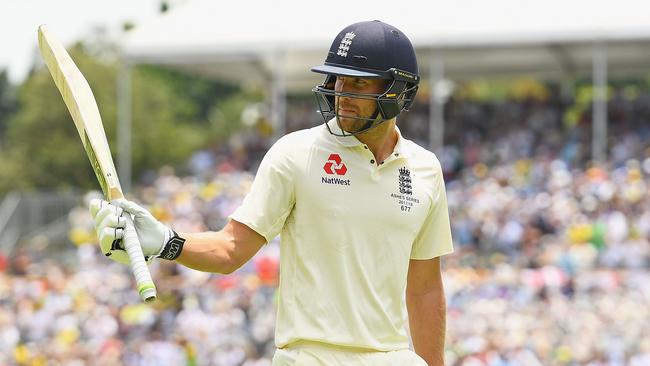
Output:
x=347 y=141
x=352 y=141
x=400 y=145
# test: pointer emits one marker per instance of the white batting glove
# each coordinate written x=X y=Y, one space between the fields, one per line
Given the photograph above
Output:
x=156 y=239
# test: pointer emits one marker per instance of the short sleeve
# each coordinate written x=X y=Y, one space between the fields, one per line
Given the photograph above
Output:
x=434 y=238
x=272 y=195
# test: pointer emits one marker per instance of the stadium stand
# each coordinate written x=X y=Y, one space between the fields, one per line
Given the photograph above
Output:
x=551 y=261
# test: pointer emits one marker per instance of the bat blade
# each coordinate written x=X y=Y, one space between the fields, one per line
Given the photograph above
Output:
x=79 y=99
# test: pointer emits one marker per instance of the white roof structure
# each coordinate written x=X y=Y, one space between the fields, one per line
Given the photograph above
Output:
x=275 y=43
x=248 y=40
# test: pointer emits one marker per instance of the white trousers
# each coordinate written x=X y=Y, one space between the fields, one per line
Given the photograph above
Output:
x=316 y=354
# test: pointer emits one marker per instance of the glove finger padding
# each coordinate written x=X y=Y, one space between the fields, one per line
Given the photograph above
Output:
x=132 y=208
x=109 y=217
x=111 y=221
x=109 y=226
x=96 y=205
x=153 y=234
x=110 y=242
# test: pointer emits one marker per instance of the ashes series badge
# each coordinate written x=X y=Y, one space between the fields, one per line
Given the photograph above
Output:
x=405 y=197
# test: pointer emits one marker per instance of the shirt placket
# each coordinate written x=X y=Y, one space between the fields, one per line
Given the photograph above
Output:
x=375 y=169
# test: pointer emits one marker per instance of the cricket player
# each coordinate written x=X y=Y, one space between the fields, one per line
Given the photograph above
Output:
x=361 y=211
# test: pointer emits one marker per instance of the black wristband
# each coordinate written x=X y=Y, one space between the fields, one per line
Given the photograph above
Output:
x=173 y=248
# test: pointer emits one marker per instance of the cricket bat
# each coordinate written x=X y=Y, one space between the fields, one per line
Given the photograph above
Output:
x=79 y=99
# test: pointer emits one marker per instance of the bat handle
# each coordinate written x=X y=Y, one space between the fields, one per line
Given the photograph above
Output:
x=146 y=288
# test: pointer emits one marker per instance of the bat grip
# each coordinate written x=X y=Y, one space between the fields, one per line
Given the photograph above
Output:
x=146 y=287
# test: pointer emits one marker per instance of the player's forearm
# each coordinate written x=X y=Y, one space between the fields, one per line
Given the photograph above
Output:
x=211 y=251
x=427 y=322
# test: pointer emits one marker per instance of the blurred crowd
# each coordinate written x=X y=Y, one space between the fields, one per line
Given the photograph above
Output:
x=551 y=264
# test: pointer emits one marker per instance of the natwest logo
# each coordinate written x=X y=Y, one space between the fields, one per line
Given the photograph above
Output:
x=334 y=165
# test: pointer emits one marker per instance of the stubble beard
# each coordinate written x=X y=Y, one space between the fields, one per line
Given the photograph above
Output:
x=349 y=124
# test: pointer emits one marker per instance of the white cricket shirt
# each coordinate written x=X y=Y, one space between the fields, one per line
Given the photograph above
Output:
x=348 y=230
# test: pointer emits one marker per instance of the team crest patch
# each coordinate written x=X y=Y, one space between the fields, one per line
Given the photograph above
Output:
x=405 y=198
x=405 y=181
x=346 y=42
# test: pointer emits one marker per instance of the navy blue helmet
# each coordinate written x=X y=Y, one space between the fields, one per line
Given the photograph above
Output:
x=373 y=50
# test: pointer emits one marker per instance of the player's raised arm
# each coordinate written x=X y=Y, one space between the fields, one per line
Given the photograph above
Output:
x=220 y=251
